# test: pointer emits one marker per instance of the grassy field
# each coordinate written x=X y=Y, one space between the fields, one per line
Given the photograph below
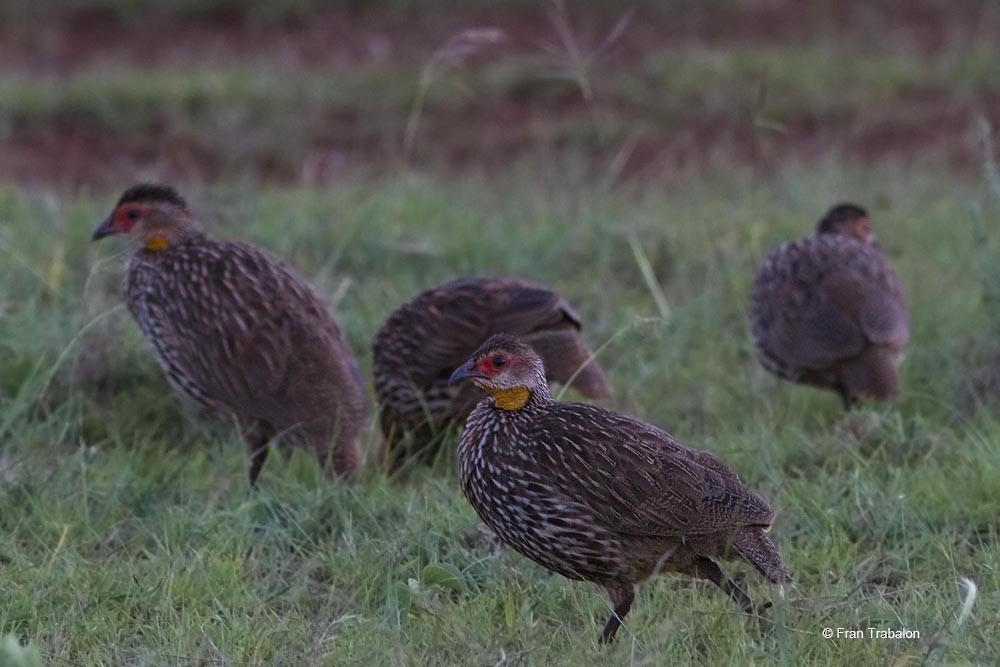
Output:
x=129 y=536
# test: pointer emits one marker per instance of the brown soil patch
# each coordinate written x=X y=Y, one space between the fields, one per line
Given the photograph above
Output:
x=488 y=134
x=489 y=138
x=367 y=31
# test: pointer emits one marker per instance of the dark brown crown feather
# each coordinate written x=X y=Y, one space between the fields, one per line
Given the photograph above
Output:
x=503 y=342
x=152 y=192
x=839 y=214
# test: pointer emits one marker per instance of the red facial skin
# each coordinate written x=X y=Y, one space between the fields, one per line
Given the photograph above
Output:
x=483 y=369
x=863 y=230
x=486 y=366
x=121 y=220
x=124 y=217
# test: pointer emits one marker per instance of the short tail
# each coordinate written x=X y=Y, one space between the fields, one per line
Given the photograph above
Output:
x=872 y=373
x=566 y=356
x=755 y=547
x=590 y=381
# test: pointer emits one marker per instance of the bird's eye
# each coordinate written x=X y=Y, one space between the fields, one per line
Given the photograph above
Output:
x=499 y=362
x=133 y=214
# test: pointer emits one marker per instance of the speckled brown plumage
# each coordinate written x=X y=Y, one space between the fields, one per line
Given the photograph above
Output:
x=599 y=496
x=238 y=333
x=422 y=342
x=828 y=310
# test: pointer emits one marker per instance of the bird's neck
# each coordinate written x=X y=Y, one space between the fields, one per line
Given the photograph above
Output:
x=158 y=240
x=514 y=398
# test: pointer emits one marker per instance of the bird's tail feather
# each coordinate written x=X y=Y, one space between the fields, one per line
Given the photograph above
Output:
x=755 y=547
x=873 y=373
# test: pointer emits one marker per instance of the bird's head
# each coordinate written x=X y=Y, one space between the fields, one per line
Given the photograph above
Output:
x=154 y=217
x=511 y=371
x=848 y=219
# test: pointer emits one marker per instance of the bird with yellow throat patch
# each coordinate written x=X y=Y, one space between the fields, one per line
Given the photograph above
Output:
x=599 y=496
x=238 y=333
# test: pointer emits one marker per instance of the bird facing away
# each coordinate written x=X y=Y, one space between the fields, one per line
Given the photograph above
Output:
x=828 y=310
x=599 y=496
x=424 y=340
x=238 y=333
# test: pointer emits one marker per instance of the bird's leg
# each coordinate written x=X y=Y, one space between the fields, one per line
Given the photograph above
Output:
x=845 y=396
x=706 y=568
x=621 y=597
x=344 y=458
x=256 y=436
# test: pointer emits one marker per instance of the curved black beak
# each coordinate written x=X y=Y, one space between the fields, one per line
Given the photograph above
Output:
x=465 y=372
x=103 y=229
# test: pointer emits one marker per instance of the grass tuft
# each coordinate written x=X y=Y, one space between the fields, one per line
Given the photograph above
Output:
x=129 y=534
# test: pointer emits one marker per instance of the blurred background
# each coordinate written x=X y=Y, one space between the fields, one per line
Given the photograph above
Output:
x=97 y=93
x=640 y=158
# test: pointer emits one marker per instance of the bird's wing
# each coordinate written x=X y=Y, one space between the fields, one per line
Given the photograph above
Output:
x=817 y=324
x=566 y=356
x=297 y=361
x=638 y=480
x=268 y=326
x=463 y=314
x=883 y=315
x=823 y=300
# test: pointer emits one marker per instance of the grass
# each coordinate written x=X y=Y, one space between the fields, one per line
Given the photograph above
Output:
x=234 y=113
x=128 y=534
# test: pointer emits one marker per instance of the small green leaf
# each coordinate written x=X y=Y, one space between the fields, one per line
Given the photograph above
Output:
x=510 y=611
x=445 y=575
x=398 y=604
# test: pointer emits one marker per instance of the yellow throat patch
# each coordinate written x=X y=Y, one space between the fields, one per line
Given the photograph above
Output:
x=510 y=399
x=157 y=243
